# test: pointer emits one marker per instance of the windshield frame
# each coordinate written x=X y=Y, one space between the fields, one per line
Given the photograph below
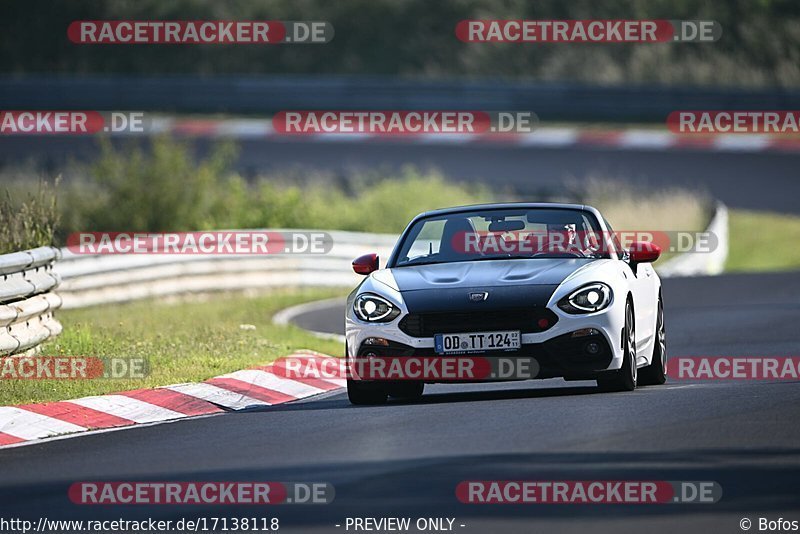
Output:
x=415 y=226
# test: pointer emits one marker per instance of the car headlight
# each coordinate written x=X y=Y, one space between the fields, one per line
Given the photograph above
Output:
x=374 y=309
x=587 y=299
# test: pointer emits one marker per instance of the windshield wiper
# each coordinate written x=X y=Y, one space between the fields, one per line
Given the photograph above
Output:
x=415 y=263
x=507 y=257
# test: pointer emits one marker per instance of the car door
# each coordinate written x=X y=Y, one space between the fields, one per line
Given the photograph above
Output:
x=643 y=283
x=644 y=301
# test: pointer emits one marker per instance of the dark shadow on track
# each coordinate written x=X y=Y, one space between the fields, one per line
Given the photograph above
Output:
x=754 y=480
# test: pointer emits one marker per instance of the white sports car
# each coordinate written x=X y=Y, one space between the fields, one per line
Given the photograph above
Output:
x=546 y=284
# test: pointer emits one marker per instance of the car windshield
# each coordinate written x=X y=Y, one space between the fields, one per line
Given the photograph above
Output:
x=502 y=233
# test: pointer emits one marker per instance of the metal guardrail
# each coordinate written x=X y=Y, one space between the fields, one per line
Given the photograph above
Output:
x=102 y=279
x=27 y=300
x=269 y=94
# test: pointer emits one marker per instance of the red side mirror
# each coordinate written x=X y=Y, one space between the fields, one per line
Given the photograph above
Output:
x=365 y=264
x=644 y=252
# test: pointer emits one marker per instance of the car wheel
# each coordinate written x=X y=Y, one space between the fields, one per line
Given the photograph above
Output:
x=625 y=378
x=362 y=394
x=407 y=390
x=656 y=373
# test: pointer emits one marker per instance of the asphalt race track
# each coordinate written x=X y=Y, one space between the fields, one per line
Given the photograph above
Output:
x=405 y=460
x=753 y=180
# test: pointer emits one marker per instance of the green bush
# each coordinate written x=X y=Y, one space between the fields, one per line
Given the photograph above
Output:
x=157 y=190
x=162 y=189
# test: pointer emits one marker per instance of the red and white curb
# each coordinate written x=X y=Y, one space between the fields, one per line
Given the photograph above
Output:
x=250 y=388
x=545 y=137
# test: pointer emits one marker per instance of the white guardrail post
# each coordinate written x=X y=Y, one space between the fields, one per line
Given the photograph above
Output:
x=27 y=300
x=703 y=263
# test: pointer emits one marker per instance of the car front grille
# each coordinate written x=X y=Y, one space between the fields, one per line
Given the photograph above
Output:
x=525 y=320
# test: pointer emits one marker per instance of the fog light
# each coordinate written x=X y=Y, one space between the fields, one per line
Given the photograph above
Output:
x=585 y=332
x=592 y=348
x=370 y=355
x=543 y=323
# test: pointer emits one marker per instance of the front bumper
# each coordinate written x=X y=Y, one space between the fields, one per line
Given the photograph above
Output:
x=552 y=347
x=567 y=356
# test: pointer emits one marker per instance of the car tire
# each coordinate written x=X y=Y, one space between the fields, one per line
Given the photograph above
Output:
x=407 y=390
x=625 y=378
x=656 y=373
x=364 y=395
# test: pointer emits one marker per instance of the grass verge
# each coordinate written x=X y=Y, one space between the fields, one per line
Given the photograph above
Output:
x=189 y=340
x=30 y=219
x=762 y=241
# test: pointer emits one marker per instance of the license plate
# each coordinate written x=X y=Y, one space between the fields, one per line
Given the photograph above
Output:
x=476 y=342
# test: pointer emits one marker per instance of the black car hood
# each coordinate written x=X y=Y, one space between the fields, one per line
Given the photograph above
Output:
x=516 y=283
